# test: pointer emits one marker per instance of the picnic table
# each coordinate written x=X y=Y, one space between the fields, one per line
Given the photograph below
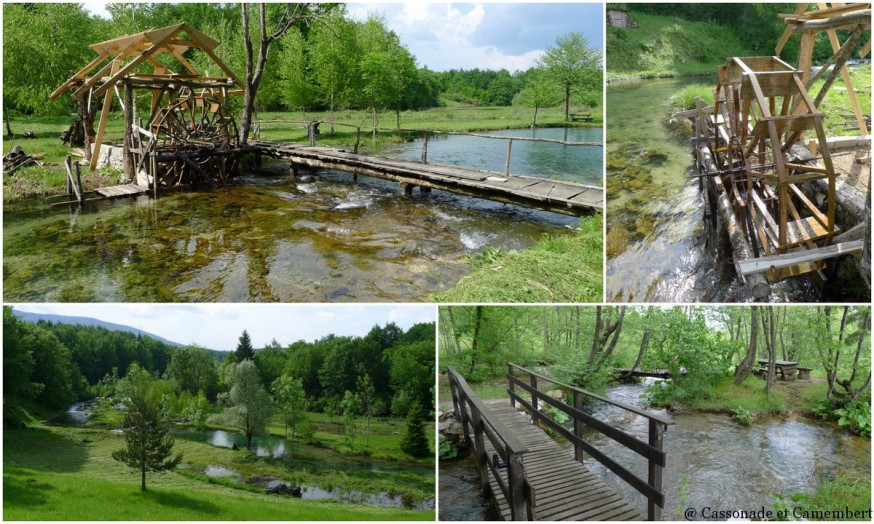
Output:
x=585 y=117
x=786 y=368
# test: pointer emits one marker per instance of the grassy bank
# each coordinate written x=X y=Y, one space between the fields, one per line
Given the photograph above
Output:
x=67 y=473
x=662 y=46
x=559 y=268
x=787 y=398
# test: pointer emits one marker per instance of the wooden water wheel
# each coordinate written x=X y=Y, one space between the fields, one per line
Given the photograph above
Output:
x=191 y=136
x=759 y=120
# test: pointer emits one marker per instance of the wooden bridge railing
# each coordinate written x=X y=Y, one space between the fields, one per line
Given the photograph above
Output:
x=311 y=127
x=651 y=488
x=478 y=419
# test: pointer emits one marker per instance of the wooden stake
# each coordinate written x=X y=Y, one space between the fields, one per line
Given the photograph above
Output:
x=104 y=115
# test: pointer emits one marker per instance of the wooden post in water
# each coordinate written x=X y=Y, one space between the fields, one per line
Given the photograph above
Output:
x=425 y=148
x=128 y=109
x=578 y=427
x=153 y=162
x=509 y=150
x=656 y=432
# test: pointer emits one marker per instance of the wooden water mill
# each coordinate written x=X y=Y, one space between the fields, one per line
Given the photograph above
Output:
x=763 y=142
x=183 y=133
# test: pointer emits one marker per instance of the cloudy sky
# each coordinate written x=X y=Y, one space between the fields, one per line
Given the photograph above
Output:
x=219 y=326
x=483 y=35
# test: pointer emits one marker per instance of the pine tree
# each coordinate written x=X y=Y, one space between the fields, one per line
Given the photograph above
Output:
x=415 y=442
x=244 y=351
x=147 y=444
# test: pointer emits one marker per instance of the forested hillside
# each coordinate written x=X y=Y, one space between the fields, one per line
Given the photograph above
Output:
x=684 y=38
x=47 y=366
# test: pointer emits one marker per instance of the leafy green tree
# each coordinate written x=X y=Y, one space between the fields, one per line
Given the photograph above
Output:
x=18 y=366
x=192 y=369
x=332 y=58
x=250 y=404
x=53 y=367
x=367 y=395
x=351 y=406
x=538 y=92
x=573 y=66
x=412 y=375
x=414 y=441
x=43 y=45
x=244 y=350
x=291 y=400
x=148 y=445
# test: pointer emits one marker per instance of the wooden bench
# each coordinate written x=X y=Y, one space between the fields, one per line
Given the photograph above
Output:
x=804 y=373
x=582 y=117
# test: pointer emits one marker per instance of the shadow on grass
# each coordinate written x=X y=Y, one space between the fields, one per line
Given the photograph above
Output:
x=180 y=501
x=20 y=488
x=43 y=450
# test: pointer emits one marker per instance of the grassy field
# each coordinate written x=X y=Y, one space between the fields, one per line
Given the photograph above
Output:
x=560 y=268
x=67 y=473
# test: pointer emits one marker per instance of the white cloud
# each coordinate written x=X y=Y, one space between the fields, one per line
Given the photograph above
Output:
x=440 y=35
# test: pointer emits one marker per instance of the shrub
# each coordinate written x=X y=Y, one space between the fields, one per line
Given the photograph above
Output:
x=743 y=416
x=856 y=416
x=414 y=441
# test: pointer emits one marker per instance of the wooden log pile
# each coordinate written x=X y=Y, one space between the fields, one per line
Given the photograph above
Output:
x=16 y=159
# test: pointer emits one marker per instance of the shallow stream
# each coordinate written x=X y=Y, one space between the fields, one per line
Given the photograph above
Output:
x=271 y=237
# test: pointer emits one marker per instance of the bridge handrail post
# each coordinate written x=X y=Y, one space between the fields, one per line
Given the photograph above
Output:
x=479 y=449
x=520 y=506
x=533 y=379
x=507 y=164
x=461 y=408
x=511 y=385
x=578 y=427
x=654 y=478
x=425 y=147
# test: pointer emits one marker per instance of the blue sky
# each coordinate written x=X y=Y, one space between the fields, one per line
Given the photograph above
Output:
x=484 y=35
x=478 y=35
x=218 y=326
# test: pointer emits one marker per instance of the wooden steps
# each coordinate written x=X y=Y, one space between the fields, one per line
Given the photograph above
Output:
x=563 y=488
x=121 y=190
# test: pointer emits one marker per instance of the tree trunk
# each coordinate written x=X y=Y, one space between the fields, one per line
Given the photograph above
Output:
x=475 y=341
x=535 y=117
x=373 y=121
x=6 y=119
x=567 y=102
x=143 y=479
x=743 y=370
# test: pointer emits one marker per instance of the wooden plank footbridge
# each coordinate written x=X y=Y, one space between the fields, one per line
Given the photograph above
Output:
x=529 y=476
x=534 y=192
x=753 y=160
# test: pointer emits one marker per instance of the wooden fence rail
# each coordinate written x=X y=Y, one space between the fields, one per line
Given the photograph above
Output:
x=651 y=449
x=480 y=423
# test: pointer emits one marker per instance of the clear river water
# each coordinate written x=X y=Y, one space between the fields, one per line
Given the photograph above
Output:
x=271 y=237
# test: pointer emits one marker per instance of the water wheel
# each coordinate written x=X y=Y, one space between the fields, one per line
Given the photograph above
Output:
x=761 y=113
x=193 y=136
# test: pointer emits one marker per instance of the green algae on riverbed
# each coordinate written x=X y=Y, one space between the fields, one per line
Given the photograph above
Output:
x=264 y=239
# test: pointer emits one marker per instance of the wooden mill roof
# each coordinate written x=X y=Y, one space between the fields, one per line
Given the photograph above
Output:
x=127 y=53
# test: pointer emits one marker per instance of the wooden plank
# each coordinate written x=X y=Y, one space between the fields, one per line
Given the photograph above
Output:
x=762 y=264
